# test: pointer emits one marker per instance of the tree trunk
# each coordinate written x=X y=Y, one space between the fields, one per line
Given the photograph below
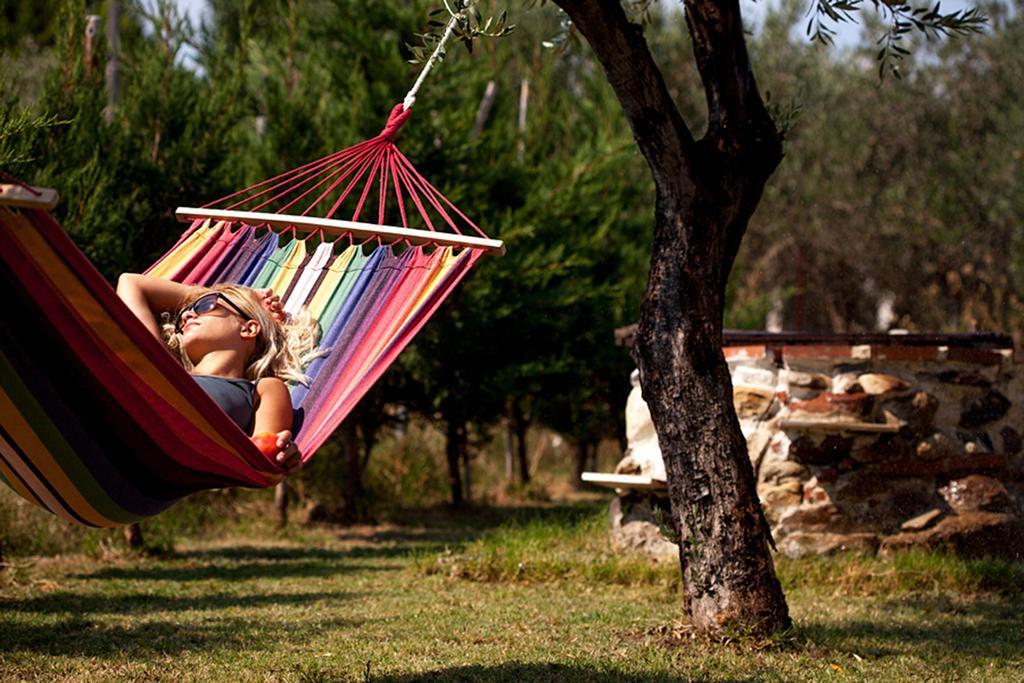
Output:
x=724 y=550
x=581 y=456
x=113 y=70
x=281 y=503
x=454 y=447
x=133 y=536
x=352 y=487
x=510 y=471
x=519 y=426
x=92 y=29
x=484 y=110
x=706 y=190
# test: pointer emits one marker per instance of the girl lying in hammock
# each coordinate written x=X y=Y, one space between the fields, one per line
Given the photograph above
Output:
x=238 y=345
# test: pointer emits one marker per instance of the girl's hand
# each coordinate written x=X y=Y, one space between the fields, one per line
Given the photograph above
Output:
x=280 y=448
x=288 y=456
x=272 y=303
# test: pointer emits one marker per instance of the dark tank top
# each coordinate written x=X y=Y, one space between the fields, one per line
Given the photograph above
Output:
x=234 y=396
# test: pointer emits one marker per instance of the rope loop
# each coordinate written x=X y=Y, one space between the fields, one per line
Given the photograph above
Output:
x=399 y=115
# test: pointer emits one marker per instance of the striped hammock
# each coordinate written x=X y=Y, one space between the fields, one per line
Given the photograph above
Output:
x=100 y=424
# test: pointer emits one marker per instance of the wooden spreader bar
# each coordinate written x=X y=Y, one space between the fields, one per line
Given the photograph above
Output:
x=22 y=197
x=335 y=226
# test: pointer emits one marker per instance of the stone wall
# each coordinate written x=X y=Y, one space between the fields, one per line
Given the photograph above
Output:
x=882 y=446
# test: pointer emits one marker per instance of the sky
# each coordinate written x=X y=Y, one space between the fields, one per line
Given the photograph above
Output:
x=848 y=34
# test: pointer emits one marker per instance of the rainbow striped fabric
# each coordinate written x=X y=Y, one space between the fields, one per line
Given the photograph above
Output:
x=99 y=423
x=369 y=304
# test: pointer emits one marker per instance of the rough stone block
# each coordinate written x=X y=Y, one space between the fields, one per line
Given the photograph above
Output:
x=1012 y=442
x=875 y=383
x=970 y=534
x=816 y=495
x=969 y=378
x=986 y=408
x=975 y=493
x=778 y=471
x=733 y=353
x=777 y=500
x=820 y=451
x=936 y=446
x=840 y=406
x=880 y=448
x=756 y=377
x=974 y=442
x=885 y=506
x=846 y=383
x=751 y=401
x=916 y=411
x=808 y=518
x=645 y=538
x=810 y=380
x=803 y=544
x=921 y=521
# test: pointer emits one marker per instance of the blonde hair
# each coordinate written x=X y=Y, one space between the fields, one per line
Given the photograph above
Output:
x=282 y=349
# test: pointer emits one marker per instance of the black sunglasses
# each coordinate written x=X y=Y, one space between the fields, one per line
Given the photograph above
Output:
x=205 y=304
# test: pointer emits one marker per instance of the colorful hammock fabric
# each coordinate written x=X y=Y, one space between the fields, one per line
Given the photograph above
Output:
x=101 y=425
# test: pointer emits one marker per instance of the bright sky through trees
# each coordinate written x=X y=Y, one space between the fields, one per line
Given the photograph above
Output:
x=847 y=34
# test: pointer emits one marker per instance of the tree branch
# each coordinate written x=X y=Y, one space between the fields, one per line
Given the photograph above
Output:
x=720 y=48
x=743 y=145
x=659 y=128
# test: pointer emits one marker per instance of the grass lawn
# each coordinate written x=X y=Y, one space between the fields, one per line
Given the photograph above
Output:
x=518 y=595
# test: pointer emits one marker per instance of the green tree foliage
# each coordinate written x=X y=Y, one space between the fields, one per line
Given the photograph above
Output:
x=531 y=333
x=900 y=190
x=274 y=83
x=908 y=188
x=31 y=19
x=169 y=137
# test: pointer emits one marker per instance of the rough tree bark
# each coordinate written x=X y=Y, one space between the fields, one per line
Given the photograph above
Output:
x=706 y=190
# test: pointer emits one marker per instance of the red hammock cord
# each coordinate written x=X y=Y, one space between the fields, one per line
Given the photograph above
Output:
x=373 y=174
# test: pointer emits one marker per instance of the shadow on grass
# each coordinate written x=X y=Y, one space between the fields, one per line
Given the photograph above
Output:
x=83 y=637
x=443 y=525
x=940 y=624
x=240 y=563
x=514 y=672
x=144 y=603
x=416 y=531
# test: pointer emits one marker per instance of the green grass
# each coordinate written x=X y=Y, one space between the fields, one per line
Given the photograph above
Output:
x=515 y=594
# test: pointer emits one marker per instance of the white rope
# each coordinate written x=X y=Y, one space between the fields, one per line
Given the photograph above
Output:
x=410 y=99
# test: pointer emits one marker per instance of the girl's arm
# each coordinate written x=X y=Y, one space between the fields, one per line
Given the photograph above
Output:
x=148 y=297
x=274 y=416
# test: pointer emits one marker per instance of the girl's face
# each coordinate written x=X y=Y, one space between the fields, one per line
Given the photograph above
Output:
x=214 y=323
